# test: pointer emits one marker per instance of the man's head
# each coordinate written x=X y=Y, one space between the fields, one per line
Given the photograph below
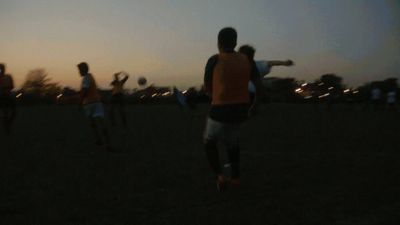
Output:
x=2 y=69
x=227 y=38
x=83 y=68
x=248 y=50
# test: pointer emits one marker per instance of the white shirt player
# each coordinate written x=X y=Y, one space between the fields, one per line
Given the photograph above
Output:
x=263 y=69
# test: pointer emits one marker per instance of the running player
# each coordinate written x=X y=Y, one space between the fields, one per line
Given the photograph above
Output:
x=226 y=79
x=91 y=101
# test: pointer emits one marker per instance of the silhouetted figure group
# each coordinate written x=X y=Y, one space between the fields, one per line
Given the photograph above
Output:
x=380 y=99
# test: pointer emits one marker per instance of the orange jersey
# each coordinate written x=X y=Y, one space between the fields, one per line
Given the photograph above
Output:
x=230 y=78
x=93 y=95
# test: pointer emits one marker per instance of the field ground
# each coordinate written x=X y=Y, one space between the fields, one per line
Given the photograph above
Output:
x=300 y=165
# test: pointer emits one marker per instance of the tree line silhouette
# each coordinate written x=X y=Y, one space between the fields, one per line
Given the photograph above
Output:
x=38 y=88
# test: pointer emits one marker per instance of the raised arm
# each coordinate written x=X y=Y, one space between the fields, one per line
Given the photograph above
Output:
x=126 y=77
x=272 y=63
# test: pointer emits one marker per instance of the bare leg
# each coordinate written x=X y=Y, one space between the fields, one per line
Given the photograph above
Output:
x=213 y=157
x=111 y=114
x=123 y=115
x=102 y=126
x=96 y=133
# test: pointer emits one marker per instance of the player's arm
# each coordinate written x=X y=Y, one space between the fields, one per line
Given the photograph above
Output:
x=256 y=80
x=126 y=77
x=208 y=73
x=83 y=95
x=272 y=63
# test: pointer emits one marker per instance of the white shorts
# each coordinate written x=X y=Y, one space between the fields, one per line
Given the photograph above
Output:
x=225 y=132
x=94 y=110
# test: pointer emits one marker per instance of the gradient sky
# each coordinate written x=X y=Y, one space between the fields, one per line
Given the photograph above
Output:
x=169 y=41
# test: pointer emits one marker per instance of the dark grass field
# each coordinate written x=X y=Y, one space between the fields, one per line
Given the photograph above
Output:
x=300 y=165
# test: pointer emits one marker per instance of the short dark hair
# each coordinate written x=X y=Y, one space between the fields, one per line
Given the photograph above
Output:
x=83 y=67
x=248 y=50
x=227 y=38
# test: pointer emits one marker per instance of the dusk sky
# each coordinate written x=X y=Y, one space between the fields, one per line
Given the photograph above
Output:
x=169 y=41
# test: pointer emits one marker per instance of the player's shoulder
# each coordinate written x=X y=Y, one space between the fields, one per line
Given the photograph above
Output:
x=244 y=58
x=213 y=58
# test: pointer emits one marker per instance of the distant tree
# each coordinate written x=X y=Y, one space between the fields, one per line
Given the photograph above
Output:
x=37 y=83
x=390 y=84
x=332 y=80
x=279 y=89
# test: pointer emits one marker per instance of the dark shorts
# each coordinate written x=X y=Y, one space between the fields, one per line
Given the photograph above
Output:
x=7 y=102
x=232 y=113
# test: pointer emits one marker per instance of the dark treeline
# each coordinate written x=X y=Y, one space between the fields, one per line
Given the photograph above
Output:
x=328 y=88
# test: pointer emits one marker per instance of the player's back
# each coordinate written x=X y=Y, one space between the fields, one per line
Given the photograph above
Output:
x=231 y=75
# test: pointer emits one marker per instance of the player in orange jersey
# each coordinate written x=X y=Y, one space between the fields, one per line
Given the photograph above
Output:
x=91 y=101
x=226 y=79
